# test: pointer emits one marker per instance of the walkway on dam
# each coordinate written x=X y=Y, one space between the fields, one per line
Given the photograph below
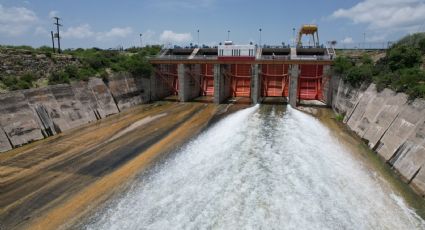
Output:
x=47 y=182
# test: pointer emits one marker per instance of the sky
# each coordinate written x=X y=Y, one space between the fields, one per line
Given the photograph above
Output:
x=110 y=24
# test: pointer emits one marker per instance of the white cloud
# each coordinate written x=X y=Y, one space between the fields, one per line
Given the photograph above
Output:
x=394 y=15
x=78 y=32
x=172 y=37
x=53 y=13
x=85 y=31
x=115 y=32
x=15 y=21
x=347 y=40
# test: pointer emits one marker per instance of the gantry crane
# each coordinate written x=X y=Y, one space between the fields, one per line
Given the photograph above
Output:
x=308 y=29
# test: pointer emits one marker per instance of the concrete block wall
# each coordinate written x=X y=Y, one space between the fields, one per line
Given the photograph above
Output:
x=128 y=91
x=30 y=115
x=392 y=126
x=17 y=120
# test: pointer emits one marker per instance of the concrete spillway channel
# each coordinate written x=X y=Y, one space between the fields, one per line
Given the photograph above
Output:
x=262 y=167
x=53 y=181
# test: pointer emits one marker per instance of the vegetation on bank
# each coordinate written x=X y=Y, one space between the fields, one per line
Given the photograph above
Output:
x=400 y=70
x=94 y=62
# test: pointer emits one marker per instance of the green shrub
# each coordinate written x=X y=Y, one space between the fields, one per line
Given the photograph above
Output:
x=59 y=77
x=342 y=65
x=339 y=117
x=401 y=57
x=358 y=75
x=16 y=83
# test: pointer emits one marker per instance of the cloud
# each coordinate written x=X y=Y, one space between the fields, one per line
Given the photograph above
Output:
x=115 y=32
x=172 y=37
x=347 y=40
x=78 y=32
x=15 y=21
x=85 y=31
x=53 y=13
x=393 y=15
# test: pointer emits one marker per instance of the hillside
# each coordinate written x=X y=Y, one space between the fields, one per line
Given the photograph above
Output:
x=25 y=67
x=400 y=69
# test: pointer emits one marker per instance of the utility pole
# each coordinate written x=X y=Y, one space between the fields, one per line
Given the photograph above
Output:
x=198 y=38
x=141 y=41
x=260 y=35
x=293 y=37
x=228 y=35
x=57 y=35
x=53 y=41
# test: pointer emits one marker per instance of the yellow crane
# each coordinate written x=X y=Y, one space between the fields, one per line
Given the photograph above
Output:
x=308 y=29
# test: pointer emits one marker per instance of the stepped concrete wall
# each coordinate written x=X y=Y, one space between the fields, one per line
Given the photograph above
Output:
x=392 y=126
x=33 y=114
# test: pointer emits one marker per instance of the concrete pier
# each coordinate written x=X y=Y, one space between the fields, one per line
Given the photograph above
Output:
x=221 y=83
x=256 y=84
x=294 y=73
x=189 y=81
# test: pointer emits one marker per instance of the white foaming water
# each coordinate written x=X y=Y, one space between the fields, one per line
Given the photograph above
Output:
x=260 y=170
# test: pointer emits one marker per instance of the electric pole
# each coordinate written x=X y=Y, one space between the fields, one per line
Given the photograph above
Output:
x=57 y=35
x=260 y=35
x=141 y=41
x=53 y=41
x=228 y=35
x=198 y=38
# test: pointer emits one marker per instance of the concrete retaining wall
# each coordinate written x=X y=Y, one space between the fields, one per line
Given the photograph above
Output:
x=392 y=126
x=129 y=91
x=34 y=114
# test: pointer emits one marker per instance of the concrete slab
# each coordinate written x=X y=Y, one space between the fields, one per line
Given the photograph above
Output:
x=104 y=99
x=4 y=142
x=381 y=113
x=402 y=128
x=17 y=119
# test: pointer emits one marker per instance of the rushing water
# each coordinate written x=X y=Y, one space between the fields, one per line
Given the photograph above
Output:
x=260 y=168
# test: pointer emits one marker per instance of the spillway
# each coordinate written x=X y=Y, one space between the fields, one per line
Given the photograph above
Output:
x=268 y=167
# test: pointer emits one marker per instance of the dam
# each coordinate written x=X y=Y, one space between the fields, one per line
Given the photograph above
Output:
x=214 y=138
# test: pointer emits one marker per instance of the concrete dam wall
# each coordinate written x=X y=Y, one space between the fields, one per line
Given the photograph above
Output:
x=34 y=114
x=393 y=127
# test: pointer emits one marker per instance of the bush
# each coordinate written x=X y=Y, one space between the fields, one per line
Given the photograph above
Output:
x=342 y=65
x=16 y=83
x=401 y=57
x=358 y=75
x=59 y=77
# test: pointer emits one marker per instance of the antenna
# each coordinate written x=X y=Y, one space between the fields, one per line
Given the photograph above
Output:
x=57 y=35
